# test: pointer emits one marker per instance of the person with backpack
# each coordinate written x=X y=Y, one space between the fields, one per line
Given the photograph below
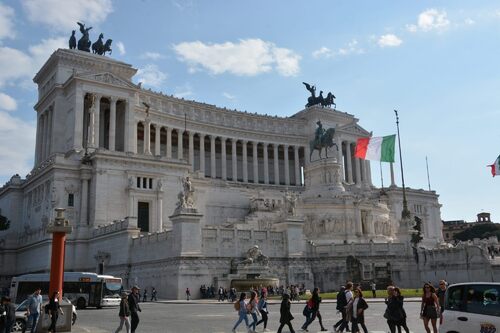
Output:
x=124 y=314
x=253 y=310
x=311 y=311
x=262 y=306
x=241 y=307
x=344 y=302
x=285 y=314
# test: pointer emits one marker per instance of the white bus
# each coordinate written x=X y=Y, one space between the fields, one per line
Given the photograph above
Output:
x=83 y=289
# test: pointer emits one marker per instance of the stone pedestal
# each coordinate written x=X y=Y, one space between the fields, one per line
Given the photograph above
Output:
x=186 y=232
x=292 y=227
x=323 y=178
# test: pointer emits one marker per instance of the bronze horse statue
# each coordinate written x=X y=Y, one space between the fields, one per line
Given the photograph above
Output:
x=325 y=142
x=100 y=48
x=329 y=101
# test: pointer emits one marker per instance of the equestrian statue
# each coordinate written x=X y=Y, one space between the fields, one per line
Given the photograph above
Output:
x=315 y=100
x=323 y=139
x=84 y=42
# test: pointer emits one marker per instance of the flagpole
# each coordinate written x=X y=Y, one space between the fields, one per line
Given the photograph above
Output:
x=381 y=175
x=428 y=178
x=405 y=213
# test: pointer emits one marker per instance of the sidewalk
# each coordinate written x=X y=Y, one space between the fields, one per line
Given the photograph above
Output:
x=214 y=301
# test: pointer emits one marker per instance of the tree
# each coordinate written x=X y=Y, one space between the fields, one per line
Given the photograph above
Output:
x=4 y=223
x=483 y=230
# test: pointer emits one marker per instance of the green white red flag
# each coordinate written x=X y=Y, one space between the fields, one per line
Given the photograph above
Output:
x=376 y=148
x=495 y=167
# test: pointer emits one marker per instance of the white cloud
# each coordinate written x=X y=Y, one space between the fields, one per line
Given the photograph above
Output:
x=351 y=48
x=62 y=15
x=151 y=55
x=431 y=19
x=18 y=141
x=249 y=57
x=15 y=64
x=6 y=24
x=469 y=21
x=228 y=96
x=7 y=103
x=150 y=75
x=389 y=40
x=121 y=48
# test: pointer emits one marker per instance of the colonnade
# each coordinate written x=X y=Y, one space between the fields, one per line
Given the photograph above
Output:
x=99 y=135
x=356 y=171
x=44 y=134
x=233 y=159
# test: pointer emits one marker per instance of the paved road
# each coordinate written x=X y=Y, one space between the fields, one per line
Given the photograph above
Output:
x=219 y=318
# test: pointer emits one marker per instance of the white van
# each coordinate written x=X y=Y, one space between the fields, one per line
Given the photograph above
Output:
x=472 y=307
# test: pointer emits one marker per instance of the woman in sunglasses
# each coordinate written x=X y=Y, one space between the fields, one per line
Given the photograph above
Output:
x=429 y=310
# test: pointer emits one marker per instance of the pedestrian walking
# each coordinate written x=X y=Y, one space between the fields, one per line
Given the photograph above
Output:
x=285 y=314
x=252 y=307
x=221 y=294
x=133 y=303
x=241 y=307
x=188 y=294
x=2 y=317
x=429 y=310
x=348 y=297
x=153 y=295
x=392 y=313
x=10 y=314
x=124 y=314
x=440 y=294
x=54 y=309
x=311 y=311
x=33 y=310
x=262 y=306
x=400 y=300
x=358 y=307
x=373 y=285
x=145 y=295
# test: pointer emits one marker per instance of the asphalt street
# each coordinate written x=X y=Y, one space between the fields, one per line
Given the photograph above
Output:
x=169 y=317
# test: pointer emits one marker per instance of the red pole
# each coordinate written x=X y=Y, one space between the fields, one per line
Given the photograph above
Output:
x=59 y=228
x=57 y=263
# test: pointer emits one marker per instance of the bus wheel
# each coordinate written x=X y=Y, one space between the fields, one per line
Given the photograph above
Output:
x=80 y=304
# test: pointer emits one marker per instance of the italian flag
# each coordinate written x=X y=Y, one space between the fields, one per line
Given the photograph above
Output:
x=495 y=167
x=377 y=148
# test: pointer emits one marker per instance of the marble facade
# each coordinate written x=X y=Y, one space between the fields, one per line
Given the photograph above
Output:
x=115 y=156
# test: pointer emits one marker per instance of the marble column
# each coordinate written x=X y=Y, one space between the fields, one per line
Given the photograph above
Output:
x=307 y=154
x=202 y=154
x=349 y=162
x=357 y=166
x=97 y=120
x=266 y=163
x=49 y=130
x=79 y=119
x=213 y=171
x=276 y=164
x=234 y=173
x=157 y=140
x=338 y=141
x=112 y=123
x=358 y=228
x=368 y=172
x=38 y=148
x=223 y=158
x=147 y=137
x=297 y=165
x=169 y=142
x=287 y=166
x=245 y=161
x=160 y=209
x=180 y=149
x=255 y=162
x=130 y=138
x=43 y=118
x=191 y=150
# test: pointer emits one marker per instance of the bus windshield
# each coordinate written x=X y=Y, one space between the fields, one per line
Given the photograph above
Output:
x=112 y=287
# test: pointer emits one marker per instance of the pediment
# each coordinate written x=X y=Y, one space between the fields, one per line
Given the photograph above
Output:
x=108 y=78
x=354 y=129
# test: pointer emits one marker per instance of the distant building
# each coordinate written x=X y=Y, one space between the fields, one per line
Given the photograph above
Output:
x=453 y=227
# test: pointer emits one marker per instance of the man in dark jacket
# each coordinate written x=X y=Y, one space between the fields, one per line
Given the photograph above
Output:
x=133 y=303
x=10 y=313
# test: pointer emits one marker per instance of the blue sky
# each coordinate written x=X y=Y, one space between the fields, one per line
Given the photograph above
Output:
x=437 y=62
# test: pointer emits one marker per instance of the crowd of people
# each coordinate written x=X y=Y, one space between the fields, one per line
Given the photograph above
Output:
x=351 y=305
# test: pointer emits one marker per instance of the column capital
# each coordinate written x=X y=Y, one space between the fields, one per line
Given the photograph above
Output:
x=222 y=138
x=255 y=143
x=191 y=134
x=286 y=146
x=244 y=142
x=212 y=136
x=201 y=135
x=234 y=140
x=276 y=145
x=113 y=99
x=158 y=126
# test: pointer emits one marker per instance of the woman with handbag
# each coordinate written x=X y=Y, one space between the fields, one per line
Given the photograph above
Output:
x=429 y=310
x=392 y=312
x=241 y=307
x=400 y=300
x=285 y=314
x=253 y=309
x=262 y=306
x=358 y=307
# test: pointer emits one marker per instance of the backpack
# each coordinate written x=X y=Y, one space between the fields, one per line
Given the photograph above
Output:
x=237 y=305
x=341 y=300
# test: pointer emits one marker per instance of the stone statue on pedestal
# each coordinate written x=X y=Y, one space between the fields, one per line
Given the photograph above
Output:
x=186 y=197
x=255 y=256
